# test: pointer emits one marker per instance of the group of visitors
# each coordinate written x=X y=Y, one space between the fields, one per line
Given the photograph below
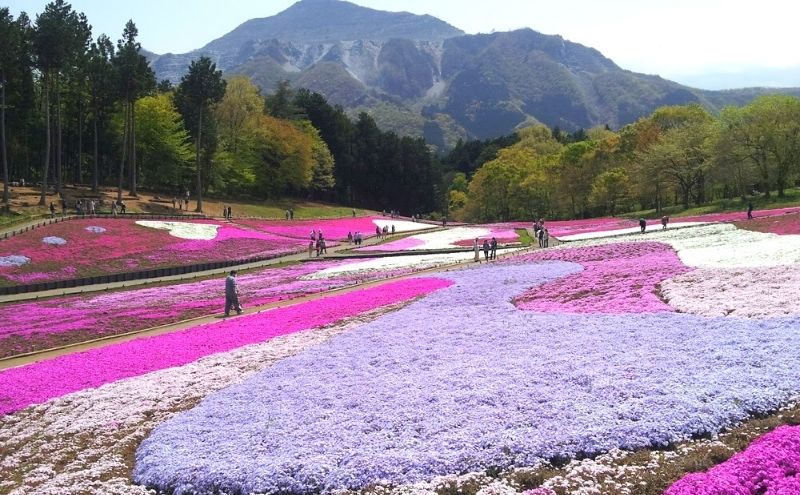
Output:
x=355 y=238
x=541 y=234
x=181 y=203
x=391 y=214
x=317 y=242
x=227 y=213
x=383 y=233
x=289 y=214
x=489 y=249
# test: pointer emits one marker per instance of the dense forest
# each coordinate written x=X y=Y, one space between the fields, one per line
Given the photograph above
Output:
x=79 y=109
x=679 y=155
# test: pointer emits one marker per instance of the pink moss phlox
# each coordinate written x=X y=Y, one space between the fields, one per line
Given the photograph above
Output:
x=125 y=246
x=44 y=380
x=332 y=228
x=118 y=312
x=617 y=278
x=404 y=244
x=769 y=466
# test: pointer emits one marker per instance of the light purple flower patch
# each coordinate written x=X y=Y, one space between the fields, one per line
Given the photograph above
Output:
x=14 y=260
x=463 y=381
x=95 y=229
x=54 y=241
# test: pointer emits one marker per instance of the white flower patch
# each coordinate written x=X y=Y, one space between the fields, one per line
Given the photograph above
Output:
x=446 y=239
x=184 y=230
x=630 y=230
x=14 y=260
x=762 y=292
x=401 y=225
x=388 y=263
x=95 y=230
x=718 y=246
x=54 y=241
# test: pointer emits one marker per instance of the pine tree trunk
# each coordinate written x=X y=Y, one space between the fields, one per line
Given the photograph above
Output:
x=199 y=208
x=124 y=150
x=46 y=163
x=58 y=140
x=4 y=150
x=133 y=150
x=96 y=158
x=80 y=143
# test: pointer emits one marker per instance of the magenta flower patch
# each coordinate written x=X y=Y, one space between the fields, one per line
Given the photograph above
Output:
x=38 y=382
x=769 y=466
x=37 y=325
x=616 y=278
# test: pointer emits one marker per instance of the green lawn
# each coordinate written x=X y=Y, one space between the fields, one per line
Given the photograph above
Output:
x=792 y=198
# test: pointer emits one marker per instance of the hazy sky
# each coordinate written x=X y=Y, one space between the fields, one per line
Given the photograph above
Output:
x=677 y=39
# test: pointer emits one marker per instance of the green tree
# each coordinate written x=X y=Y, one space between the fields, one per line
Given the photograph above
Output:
x=280 y=104
x=200 y=88
x=60 y=35
x=136 y=79
x=611 y=190
x=12 y=60
x=682 y=157
x=102 y=94
x=162 y=142
x=765 y=134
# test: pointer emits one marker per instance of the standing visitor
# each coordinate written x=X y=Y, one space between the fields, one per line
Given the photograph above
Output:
x=643 y=224
x=349 y=237
x=493 y=254
x=392 y=229
x=230 y=213
x=540 y=237
x=114 y=209
x=232 y=294
x=354 y=212
x=324 y=245
x=546 y=238
x=486 y=250
x=750 y=210
x=286 y=214
x=63 y=207
x=291 y=213
x=378 y=231
x=310 y=249
x=174 y=201
x=52 y=209
x=477 y=250
x=664 y=222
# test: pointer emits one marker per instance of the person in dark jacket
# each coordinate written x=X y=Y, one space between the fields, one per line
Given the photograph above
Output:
x=232 y=294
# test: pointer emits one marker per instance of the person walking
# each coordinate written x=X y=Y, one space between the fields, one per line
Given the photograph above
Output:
x=643 y=224
x=486 y=250
x=230 y=213
x=664 y=222
x=546 y=238
x=540 y=237
x=232 y=294
x=493 y=245
x=52 y=210
x=750 y=210
x=477 y=250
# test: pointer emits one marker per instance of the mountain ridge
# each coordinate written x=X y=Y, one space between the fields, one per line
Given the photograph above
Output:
x=419 y=75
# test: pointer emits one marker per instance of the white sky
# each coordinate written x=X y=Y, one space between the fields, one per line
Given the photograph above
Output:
x=673 y=38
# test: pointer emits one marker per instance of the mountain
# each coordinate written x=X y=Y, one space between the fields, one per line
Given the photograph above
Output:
x=418 y=75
